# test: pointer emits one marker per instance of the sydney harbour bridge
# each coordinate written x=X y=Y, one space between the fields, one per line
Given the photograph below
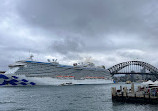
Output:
x=134 y=67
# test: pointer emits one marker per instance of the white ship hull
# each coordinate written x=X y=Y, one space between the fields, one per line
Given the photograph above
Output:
x=56 y=81
x=50 y=81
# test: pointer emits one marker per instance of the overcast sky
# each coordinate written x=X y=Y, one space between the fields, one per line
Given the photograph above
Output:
x=105 y=31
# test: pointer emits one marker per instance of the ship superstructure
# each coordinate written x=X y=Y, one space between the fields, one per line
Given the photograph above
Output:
x=53 y=73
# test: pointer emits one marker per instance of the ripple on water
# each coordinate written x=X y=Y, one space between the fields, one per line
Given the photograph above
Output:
x=87 y=97
x=6 y=102
x=75 y=100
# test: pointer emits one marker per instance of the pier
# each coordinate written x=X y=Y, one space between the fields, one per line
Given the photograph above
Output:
x=143 y=95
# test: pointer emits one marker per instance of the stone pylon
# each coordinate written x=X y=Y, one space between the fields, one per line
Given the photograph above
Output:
x=132 y=88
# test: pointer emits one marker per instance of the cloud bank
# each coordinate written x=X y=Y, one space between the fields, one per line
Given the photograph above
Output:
x=108 y=31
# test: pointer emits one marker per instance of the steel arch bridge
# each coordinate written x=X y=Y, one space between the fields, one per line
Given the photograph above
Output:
x=116 y=68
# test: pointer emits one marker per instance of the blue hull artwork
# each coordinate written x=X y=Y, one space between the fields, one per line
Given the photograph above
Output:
x=14 y=81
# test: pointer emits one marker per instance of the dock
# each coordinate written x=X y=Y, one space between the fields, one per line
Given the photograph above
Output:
x=143 y=95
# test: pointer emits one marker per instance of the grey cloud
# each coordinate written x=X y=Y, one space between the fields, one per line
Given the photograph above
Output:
x=73 y=56
x=68 y=45
x=75 y=27
x=85 y=17
x=89 y=17
x=130 y=53
x=94 y=19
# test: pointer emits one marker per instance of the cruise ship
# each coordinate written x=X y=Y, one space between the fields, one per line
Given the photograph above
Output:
x=29 y=72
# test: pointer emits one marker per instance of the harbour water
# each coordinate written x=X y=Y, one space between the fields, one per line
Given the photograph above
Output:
x=65 y=98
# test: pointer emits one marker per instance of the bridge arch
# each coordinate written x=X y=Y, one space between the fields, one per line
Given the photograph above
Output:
x=114 y=69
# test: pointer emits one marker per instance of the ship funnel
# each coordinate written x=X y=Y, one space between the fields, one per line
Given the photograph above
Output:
x=48 y=60
x=31 y=56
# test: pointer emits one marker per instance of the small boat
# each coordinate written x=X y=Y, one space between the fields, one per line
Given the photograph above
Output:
x=67 y=84
x=128 y=82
